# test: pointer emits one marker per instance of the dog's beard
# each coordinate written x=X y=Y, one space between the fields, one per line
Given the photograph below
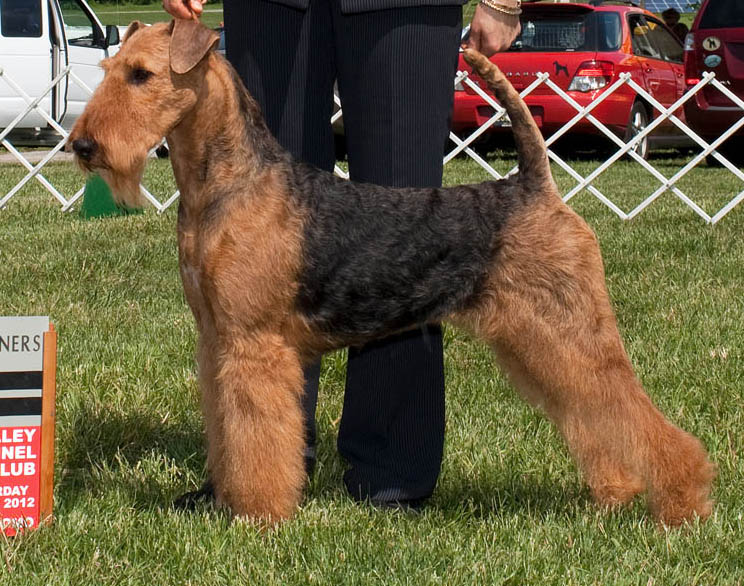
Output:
x=125 y=188
x=122 y=170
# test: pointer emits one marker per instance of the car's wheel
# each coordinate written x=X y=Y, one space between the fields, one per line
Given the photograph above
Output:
x=637 y=122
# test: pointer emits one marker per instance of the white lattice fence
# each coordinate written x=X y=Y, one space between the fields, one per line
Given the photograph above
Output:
x=624 y=149
x=465 y=145
x=33 y=104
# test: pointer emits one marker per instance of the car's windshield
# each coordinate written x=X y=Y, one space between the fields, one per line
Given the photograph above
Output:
x=723 y=14
x=593 y=31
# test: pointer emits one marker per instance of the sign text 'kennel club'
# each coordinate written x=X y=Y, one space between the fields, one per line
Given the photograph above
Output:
x=28 y=350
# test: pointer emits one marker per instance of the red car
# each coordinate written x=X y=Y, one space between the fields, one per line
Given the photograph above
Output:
x=585 y=47
x=716 y=43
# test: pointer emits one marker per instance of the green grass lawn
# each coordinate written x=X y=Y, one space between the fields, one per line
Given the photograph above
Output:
x=509 y=507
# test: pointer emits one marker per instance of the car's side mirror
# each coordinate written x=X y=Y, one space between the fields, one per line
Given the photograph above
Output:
x=112 y=36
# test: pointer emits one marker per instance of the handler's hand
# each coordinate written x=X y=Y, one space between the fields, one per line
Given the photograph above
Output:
x=491 y=31
x=188 y=9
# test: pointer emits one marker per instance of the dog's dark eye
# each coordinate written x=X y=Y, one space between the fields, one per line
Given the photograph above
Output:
x=138 y=76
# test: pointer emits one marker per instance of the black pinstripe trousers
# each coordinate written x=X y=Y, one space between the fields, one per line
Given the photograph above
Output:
x=395 y=71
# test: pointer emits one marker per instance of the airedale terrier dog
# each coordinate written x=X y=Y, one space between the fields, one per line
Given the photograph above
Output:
x=281 y=262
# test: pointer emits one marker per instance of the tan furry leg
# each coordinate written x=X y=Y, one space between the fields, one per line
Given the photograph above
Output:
x=258 y=446
x=207 y=363
x=588 y=411
x=622 y=443
x=549 y=320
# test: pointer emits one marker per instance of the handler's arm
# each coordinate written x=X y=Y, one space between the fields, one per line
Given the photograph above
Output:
x=494 y=27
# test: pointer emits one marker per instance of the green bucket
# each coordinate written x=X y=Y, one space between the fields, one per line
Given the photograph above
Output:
x=99 y=203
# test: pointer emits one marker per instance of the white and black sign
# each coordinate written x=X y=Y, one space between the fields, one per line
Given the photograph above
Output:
x=21 y=389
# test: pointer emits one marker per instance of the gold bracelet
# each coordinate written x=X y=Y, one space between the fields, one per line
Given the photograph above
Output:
x=511 y=11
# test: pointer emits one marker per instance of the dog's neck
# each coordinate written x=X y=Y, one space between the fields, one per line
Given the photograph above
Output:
x=223 y=139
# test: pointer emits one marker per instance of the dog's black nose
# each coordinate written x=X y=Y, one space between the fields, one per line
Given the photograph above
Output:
x=84 y=148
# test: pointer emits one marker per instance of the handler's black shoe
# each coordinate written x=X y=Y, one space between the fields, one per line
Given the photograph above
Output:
x=205 y=495
x=191 y=500
x=394 y=498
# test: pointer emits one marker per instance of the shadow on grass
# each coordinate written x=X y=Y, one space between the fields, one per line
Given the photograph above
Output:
x=135 y=453
x=148 y=463
x=511 y=492
x=508 y=490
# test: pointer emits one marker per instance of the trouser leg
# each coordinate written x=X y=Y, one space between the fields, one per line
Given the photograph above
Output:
x=395 y=74
x=290 y=74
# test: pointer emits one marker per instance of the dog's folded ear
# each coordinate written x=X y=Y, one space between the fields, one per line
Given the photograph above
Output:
x=131 y=29
x=190 y=42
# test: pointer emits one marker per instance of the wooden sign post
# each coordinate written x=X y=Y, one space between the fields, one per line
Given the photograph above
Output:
x=28 y=367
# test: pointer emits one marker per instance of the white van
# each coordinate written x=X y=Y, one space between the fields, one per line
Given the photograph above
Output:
x=38 y=40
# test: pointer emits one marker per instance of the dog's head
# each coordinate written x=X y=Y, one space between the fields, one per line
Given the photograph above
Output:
x=149 y=86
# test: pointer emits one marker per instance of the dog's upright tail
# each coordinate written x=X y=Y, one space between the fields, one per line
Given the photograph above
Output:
x=533 y=158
